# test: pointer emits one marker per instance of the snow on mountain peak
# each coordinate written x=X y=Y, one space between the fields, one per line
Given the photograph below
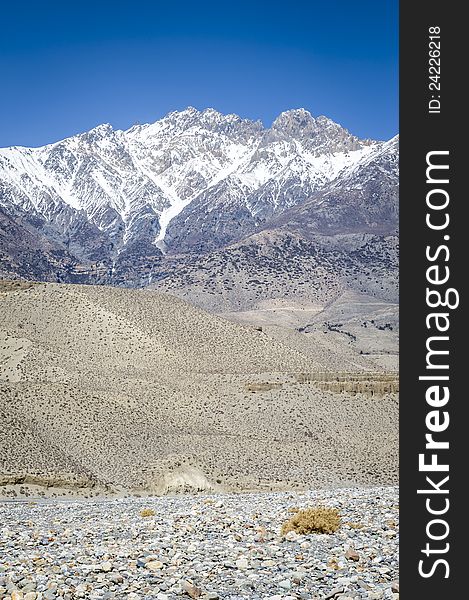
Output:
x=103 y=129
x=293 y=120
x=137 y=184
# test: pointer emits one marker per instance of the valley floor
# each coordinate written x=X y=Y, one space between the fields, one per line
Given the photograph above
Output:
x=221 y=546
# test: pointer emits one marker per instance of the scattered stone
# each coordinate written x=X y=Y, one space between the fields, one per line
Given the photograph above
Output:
x=104 y=550
x=285 y=584
x=269 y=563
x=334 y=592
x=298 y=577
x=242 y=563
x=154 y=565
x=191 y=590
x=352 y=554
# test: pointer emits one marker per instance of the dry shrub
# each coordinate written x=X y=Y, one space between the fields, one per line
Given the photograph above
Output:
x=356 y=525
x=15 y=285
x=147 y=512
x=313 y=520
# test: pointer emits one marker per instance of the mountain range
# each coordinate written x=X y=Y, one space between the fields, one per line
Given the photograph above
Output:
x=190 y=181
x=294 y=224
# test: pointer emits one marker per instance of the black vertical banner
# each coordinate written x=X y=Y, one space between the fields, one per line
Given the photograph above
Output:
x=434 y=253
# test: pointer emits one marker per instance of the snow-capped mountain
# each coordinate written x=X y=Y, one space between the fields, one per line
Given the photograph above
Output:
x=363 y=199
x=143 y=183
x=168 y=203
x=342 y=240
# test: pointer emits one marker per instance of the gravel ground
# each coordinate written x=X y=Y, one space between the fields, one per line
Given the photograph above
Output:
x=219 y=546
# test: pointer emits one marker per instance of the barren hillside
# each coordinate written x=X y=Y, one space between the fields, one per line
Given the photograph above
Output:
x=117 y=389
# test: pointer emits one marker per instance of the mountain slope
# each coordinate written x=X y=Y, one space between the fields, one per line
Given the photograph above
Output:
x=363 y=199
x=192 y=181
x=344 y=237
x=341 y=245
x=221 y=211
x=137 y=390
x=293 y=159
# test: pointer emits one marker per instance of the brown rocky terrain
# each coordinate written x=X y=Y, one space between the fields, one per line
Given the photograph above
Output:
x=115 y=390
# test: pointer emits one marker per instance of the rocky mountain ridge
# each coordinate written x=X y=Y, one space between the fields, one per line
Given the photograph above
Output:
x=295 y=225
x=190 y=182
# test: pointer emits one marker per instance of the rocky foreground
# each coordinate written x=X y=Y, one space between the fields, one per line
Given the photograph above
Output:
x=208 y=547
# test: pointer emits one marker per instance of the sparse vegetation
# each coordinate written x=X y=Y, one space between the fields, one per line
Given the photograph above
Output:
x=147 y=512
x=372 y=384
x=155 y=363
x=262 y=387
x=313 y=520
x=355 y=525
x=15 y=285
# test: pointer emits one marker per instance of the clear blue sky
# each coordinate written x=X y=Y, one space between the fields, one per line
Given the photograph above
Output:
x=68 y=66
